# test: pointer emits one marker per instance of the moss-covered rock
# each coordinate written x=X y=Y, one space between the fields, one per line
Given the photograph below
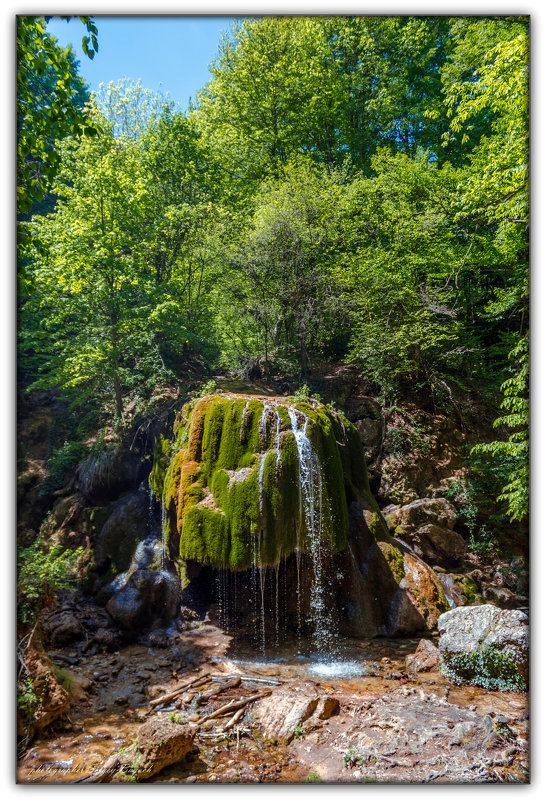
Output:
x=232 y=490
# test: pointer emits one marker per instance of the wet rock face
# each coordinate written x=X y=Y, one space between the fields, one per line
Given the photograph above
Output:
x=147 y=596
x=161 y=742
x=419 y=600
x=485 y=644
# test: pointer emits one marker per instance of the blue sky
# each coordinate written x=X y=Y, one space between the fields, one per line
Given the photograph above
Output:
x=168 y=53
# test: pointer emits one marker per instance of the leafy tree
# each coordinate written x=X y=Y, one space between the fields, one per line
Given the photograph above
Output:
x=496 y=194
x=42 y=572
x=49 y=108
x=113 y=270
x=289 y=293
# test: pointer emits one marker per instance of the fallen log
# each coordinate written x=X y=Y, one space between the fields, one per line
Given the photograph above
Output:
x=198 y=681
x=233 y=705
x=259 y=679
x=217 y=690
x=232 y=721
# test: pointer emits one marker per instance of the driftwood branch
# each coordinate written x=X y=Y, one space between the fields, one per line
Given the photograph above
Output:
x=198 y=681
x=232 y=721
x=217 y=690
x=233 y=705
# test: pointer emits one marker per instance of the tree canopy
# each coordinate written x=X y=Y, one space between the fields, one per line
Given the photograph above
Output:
x=345 y=189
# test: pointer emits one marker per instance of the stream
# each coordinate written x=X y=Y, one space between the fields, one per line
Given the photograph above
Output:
x=111 y=694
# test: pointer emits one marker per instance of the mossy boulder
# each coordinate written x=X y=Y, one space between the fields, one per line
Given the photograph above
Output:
x=485 y=645
x=260 y=483
x=232 y=491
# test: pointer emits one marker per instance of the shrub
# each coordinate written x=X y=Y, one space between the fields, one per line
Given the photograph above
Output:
x=41 y=574
x=61 y=463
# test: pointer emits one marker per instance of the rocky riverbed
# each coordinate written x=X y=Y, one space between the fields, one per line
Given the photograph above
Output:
x=361 y=718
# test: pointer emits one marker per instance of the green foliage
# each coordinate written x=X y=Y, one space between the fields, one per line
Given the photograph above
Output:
x=313 y=777
x=41 y=574
x=516 y=447
x=61 y=464
x=346 y=188
x=207 y=389
x=485 y=667
x=27 y=701
x=65 y=679
x=121 y=273
x=298 y=731
x=50 y=107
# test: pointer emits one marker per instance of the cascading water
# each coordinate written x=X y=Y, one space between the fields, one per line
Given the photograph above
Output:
x=163 y=536
x=310 y=483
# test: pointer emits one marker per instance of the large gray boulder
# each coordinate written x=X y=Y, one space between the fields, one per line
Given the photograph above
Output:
x=485 y=645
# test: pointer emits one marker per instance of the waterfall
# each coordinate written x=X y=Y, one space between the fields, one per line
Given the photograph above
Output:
x=243 y=420
x=310 y=481
x=278 y=438
x=261 y=481
x=150 y=509
x=163 y=535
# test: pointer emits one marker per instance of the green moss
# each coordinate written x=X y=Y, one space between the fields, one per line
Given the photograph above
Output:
x=162 y=457
x=211 y=488
x=485 y=667
x=395 y=560
x=376 y=524
x=469 y=589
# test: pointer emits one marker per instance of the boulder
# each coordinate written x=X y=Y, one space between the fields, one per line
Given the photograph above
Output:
x=61 y=627
x=147 y=596
x=161 y=742
x=283 y=712
x=485 y=645
x=425 y=658
x=500 y=596
x=420 y=599
x=125 y=527
x=419 y=513
x=440 y=544
x=105 y=475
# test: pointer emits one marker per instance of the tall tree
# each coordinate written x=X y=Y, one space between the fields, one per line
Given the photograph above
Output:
x=114 y=290
x=50 y=106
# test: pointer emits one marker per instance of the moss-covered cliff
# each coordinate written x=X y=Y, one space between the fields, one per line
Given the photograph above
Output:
x=251 y=480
